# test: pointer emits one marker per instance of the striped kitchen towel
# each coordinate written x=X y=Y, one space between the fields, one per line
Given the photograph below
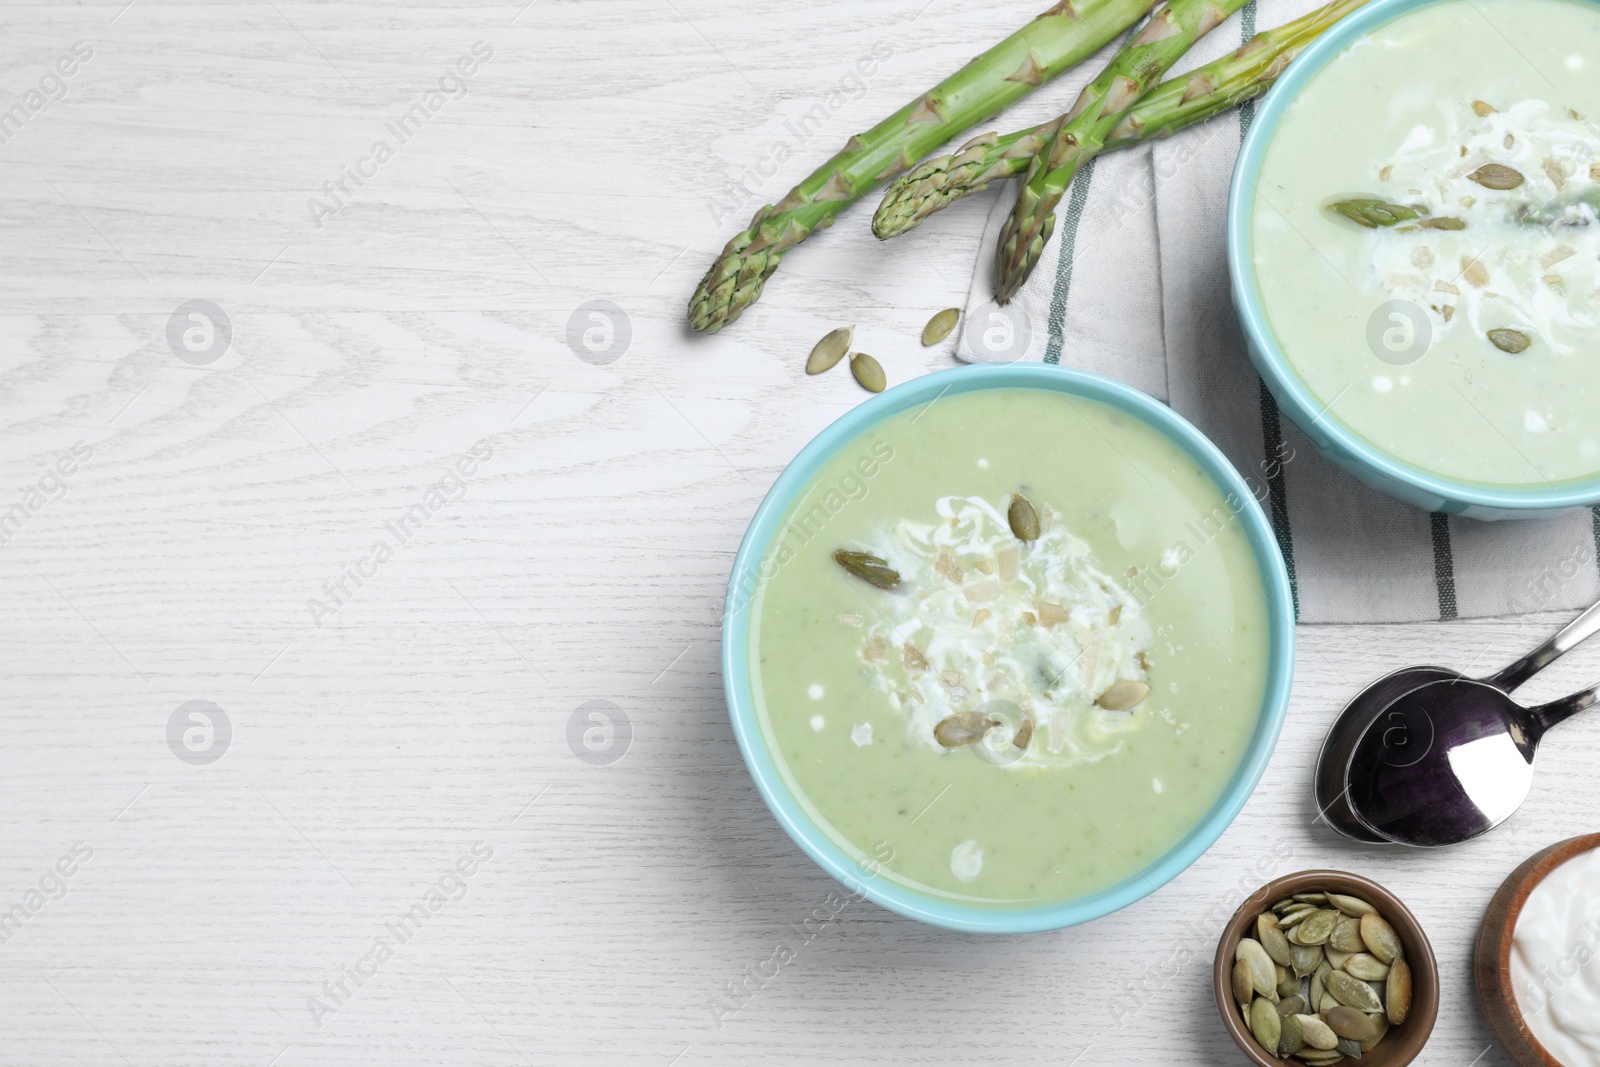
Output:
x=1134 y=285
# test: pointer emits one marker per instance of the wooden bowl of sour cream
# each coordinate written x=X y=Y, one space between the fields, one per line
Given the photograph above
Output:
x=1492 y=958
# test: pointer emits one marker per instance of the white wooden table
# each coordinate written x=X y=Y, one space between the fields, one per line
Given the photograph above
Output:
x=220 y=913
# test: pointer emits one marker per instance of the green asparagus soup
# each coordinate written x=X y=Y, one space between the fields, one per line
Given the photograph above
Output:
x=1425 y=239
x=1009 y=647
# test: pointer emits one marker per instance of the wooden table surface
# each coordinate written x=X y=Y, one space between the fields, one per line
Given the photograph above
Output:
x=300 y=618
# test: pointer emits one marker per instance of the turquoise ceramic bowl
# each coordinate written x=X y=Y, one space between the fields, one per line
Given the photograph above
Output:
x=861 y=878
x=1331 y=436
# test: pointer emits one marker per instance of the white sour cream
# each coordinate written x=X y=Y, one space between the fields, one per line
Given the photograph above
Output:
x=1555 y=961
x=990 y=623
x=966 y=860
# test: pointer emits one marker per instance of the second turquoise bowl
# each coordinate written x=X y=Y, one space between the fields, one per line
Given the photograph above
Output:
x=1331 y=436
x=860 y=877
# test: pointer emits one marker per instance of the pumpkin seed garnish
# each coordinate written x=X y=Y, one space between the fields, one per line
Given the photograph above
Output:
x=830 y=350
x=1497 y=176
x=1443 y=222
x=939 y=326
x=1512 y=341
x=1024 y=734
x=1023 y=518
x=869 y=372
x=868 y=568
x=964 y=728
x=1120 y=696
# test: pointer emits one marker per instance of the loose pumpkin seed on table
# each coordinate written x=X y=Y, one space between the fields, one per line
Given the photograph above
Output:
x=830 y=350
x=869 y=372
x=939 y=326
x=1314 y=983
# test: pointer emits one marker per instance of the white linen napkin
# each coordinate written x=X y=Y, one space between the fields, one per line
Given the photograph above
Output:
x=1134 y=285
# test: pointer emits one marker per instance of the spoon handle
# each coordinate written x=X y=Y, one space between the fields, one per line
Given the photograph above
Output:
x=1558 y=711
x=1565 y=640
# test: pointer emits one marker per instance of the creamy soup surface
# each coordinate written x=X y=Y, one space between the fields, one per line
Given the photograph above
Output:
x=1464 y=340
x=1141 y=584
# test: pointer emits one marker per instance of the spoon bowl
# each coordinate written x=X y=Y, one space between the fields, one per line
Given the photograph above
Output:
x=1332 y=778
x=1449 y=761
x=1333 y=803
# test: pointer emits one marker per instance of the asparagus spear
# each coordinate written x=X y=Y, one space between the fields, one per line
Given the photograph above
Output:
x=1060 y=38
x=1174 y=104
x=1578 y=208
x=1083 y=130
x=1372 y=212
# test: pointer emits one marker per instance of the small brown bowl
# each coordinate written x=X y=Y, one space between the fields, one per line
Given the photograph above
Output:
x=1491 y=959
x=1403 y=1042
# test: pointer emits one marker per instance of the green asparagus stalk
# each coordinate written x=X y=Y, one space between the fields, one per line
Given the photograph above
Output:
x=1053 y=42
x=1171 y=106
x=1577 y=208
x=1372 y=212
x=1083 y=131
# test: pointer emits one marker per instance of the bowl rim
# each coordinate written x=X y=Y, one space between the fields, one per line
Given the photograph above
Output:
x=862 y=876
x=1491 y=957
x=1419 y=954
x=1288 y=386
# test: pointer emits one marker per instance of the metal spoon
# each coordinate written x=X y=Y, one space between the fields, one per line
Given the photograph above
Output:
x=1449 y=761
x=1328 y=783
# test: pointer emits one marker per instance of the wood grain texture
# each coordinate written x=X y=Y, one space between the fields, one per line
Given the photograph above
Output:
x=584 y=560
